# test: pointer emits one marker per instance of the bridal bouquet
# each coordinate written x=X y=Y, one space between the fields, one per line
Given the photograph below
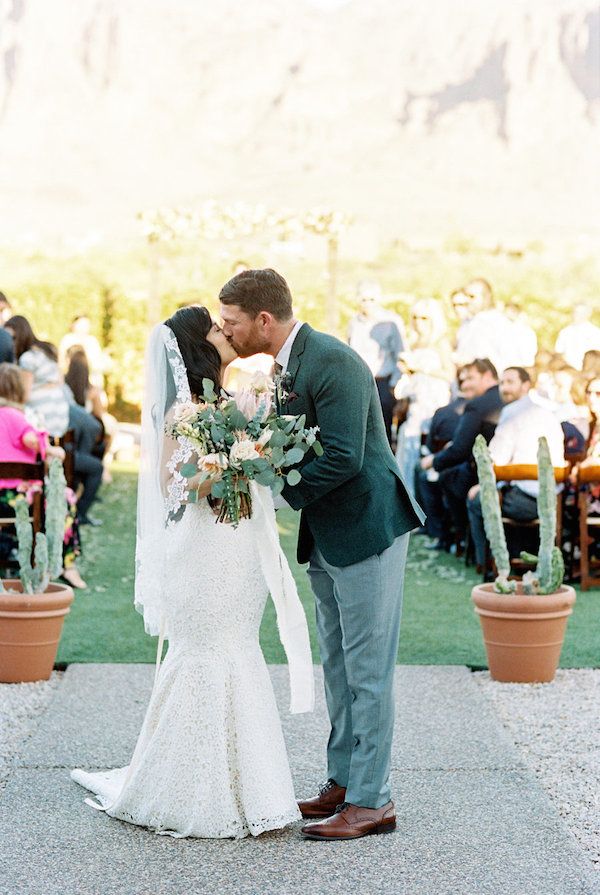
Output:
x=242 y=439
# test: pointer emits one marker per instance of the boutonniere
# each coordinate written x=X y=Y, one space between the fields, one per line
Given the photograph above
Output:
x=283 y=382
x=292 y=397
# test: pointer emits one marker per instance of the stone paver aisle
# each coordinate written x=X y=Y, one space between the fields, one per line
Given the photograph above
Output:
x=471 y=819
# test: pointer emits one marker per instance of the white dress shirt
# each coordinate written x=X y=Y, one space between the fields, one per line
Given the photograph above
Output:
x=515 y=440
x=283 y=357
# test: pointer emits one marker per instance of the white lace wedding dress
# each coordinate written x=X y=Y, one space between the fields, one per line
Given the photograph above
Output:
x=210 y=760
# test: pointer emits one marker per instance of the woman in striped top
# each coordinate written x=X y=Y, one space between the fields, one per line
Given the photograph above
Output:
x=39 y=362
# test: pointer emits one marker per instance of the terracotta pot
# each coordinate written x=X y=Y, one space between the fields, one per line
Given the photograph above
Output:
x=523 y=634
x=30 y=628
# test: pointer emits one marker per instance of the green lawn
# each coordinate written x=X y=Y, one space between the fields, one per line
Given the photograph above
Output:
x=438 y=627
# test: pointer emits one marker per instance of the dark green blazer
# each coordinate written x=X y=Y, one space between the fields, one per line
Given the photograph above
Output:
x=353 y=499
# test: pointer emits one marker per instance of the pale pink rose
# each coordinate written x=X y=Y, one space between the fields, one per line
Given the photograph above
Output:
x=185 y=411
x=242 y=450
x=213 y=463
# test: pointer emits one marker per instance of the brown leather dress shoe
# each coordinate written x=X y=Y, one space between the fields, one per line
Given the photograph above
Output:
x=330 y=796
x=352 y=822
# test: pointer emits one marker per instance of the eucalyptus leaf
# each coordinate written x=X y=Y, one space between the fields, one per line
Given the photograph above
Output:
x=278 y=439
x=188 y=470
x=293 y=477
x=216 y=433
x=266 y=478
x=294 y=456
x=318 y=448
x=277 y=486
x=300 y=422
x=208 y=390
x=237 y=419
x=218 y=489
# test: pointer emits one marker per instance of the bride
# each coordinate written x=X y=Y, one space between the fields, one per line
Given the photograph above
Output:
x=210 y=760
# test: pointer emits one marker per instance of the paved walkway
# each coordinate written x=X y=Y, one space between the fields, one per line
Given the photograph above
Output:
x=471 y=819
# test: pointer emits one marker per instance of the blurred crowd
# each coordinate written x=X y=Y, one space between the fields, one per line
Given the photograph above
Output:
x=53 y=404
x=439 y=392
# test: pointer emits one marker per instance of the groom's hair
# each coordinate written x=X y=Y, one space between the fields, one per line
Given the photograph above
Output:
x=259 y=290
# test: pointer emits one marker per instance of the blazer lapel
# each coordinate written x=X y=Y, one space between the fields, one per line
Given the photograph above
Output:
x=296 y=353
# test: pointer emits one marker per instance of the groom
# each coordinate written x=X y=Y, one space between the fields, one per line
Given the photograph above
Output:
x=356 y=516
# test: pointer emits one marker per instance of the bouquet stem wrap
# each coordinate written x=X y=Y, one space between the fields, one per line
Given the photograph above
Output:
x=291 y=620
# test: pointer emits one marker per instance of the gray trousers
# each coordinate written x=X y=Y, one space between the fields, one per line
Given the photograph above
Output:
x=358 y=623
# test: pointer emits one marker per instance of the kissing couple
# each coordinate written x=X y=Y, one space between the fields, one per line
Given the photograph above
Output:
x=210 y=760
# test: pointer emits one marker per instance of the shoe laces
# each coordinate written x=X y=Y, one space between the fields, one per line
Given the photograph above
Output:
x=342 y=807
x=325 y=787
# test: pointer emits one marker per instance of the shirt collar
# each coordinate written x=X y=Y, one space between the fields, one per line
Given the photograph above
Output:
x=283 y=357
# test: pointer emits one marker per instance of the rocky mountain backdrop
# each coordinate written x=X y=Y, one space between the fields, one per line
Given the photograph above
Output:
x=421 y=119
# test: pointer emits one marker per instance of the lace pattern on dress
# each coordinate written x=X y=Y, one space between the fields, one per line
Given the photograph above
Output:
x=177 y=492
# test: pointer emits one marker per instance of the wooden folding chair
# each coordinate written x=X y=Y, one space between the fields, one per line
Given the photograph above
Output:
x=25 y=472
x=587 y=475
x=515 y=472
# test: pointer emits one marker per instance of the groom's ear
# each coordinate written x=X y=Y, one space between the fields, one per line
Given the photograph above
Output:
x=265 y=320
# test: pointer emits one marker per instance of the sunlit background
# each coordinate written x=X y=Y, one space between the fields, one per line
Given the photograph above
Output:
x=145 y=147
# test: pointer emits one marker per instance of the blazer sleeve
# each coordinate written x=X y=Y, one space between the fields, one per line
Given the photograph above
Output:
x=341 y=391
x=462 y=443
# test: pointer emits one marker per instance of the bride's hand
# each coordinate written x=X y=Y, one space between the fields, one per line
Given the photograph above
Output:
x=202 y=489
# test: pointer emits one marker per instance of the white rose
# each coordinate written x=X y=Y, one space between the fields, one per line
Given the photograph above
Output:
x=213 y=462
x=242 y=450
x=260 y=383
x=185 y=411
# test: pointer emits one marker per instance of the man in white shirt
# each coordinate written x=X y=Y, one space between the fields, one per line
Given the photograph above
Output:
x=580 y=336
x=521 y=424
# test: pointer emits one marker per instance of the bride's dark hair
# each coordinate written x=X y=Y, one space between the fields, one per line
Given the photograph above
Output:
x=191 y=326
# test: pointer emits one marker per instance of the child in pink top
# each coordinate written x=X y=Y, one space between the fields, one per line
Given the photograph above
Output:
x=19 y=441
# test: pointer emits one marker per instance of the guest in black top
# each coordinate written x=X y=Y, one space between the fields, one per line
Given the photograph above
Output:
x=455 y=463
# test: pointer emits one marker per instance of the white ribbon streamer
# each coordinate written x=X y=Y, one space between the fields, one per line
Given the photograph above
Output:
x=291 y=620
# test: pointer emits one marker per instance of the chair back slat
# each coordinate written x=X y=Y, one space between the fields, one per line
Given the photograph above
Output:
x=514 y=472
x=588 y=473
x=26 y=472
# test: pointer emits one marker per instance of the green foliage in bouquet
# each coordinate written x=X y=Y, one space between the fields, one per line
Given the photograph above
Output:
x=242 y=439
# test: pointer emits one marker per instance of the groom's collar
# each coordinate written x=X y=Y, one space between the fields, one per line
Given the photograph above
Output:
x=297 y=349
x=283 y=356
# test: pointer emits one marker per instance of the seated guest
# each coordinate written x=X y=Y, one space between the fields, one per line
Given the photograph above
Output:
x=93 y=399
x=521 y=424
x=39 y=361
x=20 y=442
x=455 y=463
x=87 y=465
x=427 y=488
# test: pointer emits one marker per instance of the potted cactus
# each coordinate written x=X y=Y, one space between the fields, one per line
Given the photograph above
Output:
x=32 y=609
x=523 y=622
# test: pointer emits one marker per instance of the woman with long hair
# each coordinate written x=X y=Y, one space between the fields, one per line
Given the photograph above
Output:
x=39 y=362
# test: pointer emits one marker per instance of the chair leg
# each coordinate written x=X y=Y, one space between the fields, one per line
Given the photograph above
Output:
x=583 y=542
